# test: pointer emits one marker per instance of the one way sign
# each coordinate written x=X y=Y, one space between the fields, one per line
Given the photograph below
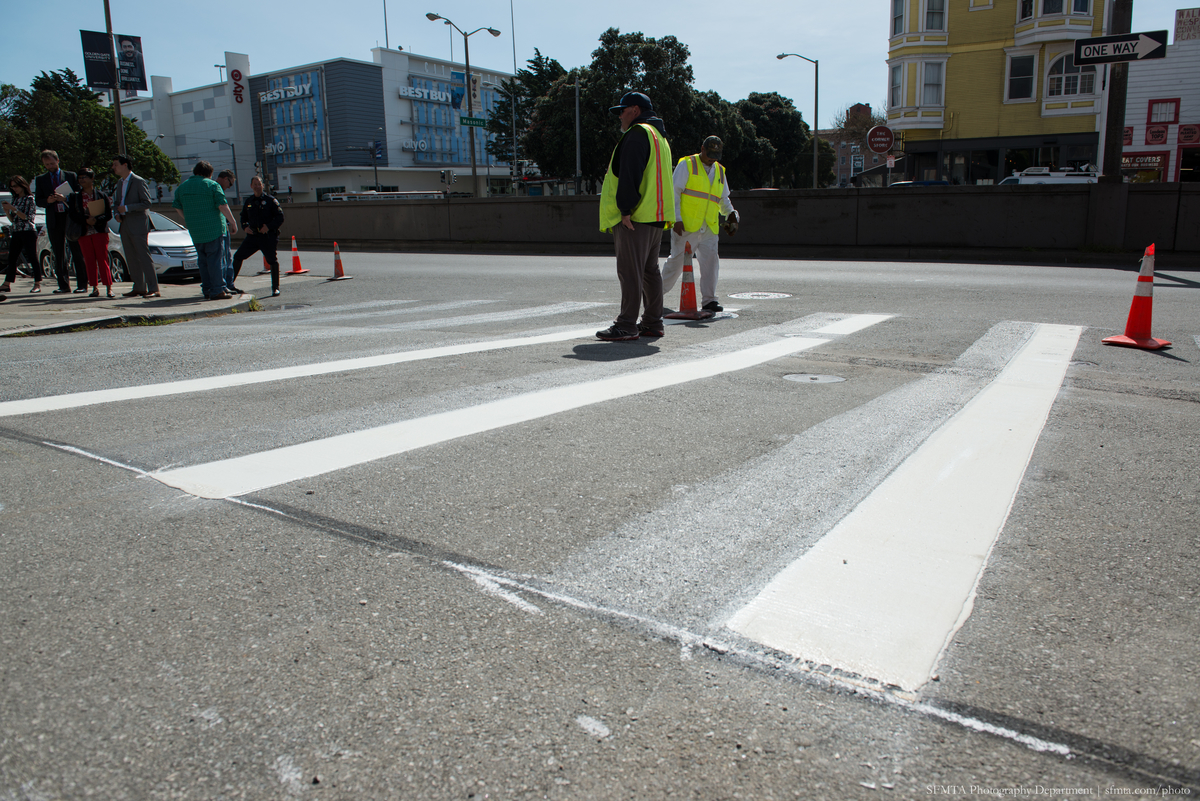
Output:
x=1123 y=47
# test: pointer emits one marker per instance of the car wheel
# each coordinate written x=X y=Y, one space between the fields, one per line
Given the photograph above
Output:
x=48 y=264
x=120 y=273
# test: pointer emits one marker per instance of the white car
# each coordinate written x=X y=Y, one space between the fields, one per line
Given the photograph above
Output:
x=171 y=250
x=1045 y=175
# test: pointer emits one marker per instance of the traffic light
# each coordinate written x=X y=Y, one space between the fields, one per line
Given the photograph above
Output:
x=453 y=177
x=444 y=177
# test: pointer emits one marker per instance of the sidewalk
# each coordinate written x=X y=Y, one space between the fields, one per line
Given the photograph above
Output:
x=46 y=312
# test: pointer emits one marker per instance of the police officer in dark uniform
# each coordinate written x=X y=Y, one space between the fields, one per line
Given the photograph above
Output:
x=261 y=219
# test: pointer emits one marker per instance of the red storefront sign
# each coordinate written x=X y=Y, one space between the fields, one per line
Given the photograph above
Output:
x=1127 y=138
x=1156 y=134
x=1189 y=134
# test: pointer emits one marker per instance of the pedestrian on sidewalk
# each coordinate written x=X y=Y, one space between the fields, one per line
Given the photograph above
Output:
x=226 y=179
x=93 y=239
x=46 y=194
x=131 y=200
x=636 y=204
x=206 y=211
x=702 y=197
x=261 y=219
x=22 y=237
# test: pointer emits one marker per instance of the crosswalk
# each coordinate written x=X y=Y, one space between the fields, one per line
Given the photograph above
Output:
x=857 y=545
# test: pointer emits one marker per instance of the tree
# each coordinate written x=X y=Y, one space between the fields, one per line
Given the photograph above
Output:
x=775 y=118
x=528 y=85
x=59 y=113
x=622 y=63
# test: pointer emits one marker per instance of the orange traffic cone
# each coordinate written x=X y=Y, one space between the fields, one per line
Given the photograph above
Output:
x=338 y=273
x=266 y=270
x=687 y=293
x=296 y=268
x=1137 y=327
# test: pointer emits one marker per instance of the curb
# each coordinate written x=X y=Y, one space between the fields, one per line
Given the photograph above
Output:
x=117 y=319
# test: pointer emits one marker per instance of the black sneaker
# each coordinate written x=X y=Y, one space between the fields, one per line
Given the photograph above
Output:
x=615 y=334
x=646 y=331
x=713 y=306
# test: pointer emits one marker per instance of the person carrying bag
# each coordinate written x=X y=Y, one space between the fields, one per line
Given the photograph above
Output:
x=89 y=211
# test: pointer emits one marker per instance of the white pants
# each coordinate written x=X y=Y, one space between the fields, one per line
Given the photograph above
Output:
x=704 y=251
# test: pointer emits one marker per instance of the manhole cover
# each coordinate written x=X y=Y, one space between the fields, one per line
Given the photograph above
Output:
x=760 y=295
x=809 y=378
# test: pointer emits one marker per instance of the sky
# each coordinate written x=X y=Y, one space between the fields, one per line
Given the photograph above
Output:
x=733 y=47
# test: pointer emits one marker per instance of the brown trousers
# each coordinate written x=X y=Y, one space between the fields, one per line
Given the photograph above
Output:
x=637 y=270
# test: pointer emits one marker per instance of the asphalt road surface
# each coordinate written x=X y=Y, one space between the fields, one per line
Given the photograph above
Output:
x=877 y=530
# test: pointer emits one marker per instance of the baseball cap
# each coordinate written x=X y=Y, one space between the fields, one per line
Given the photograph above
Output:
x=633 y=99
x=712 y=147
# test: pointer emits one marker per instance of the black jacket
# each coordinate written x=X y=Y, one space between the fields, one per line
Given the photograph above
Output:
x=259 y=211
x=630 y=160
x=79 y=214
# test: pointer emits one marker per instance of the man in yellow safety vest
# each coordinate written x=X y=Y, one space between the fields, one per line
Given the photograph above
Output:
x=702 y=194
x=636 y=204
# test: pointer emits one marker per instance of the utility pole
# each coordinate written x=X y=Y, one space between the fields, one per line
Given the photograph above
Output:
x=116 y=81
x=1118 y=88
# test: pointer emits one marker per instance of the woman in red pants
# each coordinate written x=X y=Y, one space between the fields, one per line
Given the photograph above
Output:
x=83 y=208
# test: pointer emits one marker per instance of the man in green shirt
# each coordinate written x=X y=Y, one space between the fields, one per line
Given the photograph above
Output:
x=205 y=211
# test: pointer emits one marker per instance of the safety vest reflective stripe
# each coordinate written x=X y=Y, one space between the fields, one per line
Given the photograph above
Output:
x=701 y=195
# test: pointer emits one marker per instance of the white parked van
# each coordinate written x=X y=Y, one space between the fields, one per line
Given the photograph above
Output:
x=1045 y=175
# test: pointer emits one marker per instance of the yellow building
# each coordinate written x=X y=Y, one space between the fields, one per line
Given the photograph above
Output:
x=979 y=89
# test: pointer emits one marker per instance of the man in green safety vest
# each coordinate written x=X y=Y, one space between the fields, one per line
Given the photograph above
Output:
x=702 y=194
x=636 y=204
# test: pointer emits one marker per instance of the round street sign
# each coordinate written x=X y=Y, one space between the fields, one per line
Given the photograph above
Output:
x=880 y=139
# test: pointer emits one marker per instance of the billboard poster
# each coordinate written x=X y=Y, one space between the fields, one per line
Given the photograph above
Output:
x=97 y=59
x=457 y=93
x=130 y=63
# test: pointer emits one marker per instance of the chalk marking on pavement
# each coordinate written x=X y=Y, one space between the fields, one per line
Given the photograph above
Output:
x=882 y=594
x=105 y=460
x=92 y=398
x=492 y=587
x=690 y=640
x=244 y=474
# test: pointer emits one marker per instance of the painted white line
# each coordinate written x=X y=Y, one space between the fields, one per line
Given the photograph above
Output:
x=884 y=592
x=852 y=325
x=244 y=474
x=77 y=399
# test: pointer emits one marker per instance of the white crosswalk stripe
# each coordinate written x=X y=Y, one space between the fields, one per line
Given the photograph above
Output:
x=252 y=472
x=882 y=593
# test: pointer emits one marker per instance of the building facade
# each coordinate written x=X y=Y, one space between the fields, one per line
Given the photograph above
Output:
x=1162 y=110
x=979 y=89
x=335 y=126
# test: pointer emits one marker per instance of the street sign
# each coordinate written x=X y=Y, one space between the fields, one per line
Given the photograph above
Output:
x=473 y=122
x=891 y=162
x=880 y=139
x=1122 y=47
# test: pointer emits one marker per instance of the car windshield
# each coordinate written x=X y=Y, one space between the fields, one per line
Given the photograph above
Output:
x=160 y=223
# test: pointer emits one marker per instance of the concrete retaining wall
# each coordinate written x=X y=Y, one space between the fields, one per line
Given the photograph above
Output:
x=1047 y=219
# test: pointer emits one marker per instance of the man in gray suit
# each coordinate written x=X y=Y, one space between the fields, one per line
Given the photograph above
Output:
x=130 y=201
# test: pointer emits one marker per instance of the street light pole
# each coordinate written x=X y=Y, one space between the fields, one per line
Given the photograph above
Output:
x=470 y=111
x=816 y=89
x=236 y=185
